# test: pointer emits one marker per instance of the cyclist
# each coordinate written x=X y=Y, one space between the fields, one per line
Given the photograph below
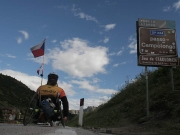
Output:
x=51 y=88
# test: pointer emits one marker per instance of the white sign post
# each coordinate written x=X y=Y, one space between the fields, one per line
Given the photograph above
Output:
x=81 y=112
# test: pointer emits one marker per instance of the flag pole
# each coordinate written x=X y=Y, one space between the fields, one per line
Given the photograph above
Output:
x=42 y=72
x=43 y=63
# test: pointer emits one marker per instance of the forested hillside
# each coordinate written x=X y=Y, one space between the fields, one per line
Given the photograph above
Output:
x=13 y=93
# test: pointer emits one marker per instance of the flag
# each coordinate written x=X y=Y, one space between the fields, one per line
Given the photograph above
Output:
x=38 y=50
x=40 y=69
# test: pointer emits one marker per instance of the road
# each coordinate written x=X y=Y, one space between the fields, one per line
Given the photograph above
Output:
x=19 y=129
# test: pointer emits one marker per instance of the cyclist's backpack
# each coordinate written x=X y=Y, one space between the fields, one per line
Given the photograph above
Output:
x=48 y=110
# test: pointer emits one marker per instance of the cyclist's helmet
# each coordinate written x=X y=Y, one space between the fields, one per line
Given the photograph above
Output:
x=52 y=78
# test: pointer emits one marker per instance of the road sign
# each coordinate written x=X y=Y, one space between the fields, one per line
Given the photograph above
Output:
x=158 y=60
x=157 y=41
x=143 y=22
x=157 y=32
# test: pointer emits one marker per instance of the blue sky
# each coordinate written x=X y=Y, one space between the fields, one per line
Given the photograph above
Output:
x=90 y=44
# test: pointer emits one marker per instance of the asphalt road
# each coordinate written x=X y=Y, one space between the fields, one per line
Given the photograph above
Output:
x=19 y=129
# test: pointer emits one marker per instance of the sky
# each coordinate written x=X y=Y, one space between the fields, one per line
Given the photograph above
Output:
x=90 y=44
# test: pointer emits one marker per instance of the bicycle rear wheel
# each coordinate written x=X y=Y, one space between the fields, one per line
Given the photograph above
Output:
x=30 y=111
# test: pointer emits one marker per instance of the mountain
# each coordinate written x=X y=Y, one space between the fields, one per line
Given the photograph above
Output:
x=14 y=93
x=129 y=105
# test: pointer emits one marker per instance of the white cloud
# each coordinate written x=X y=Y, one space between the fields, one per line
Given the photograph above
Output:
x=112 y=54
x=54 y=41
x=167 y=8
x=176 y=5
x=26 y=35
x=10 y=56
x=19 y=40
x=68 y=88
x=96 y=101
x=120 y=52
x=85 y=61
x=123 y=63
x=85 y=16
x=109 y=27
x=132 y=45
x=78 y=59
x=39 y=59
x=33 y=82
x=106 y=40
x=62 y=6
x=82 y=15
x=116 y=65
x=95 y=80
x=73 y=103
x=84 y=84
x=107 y=91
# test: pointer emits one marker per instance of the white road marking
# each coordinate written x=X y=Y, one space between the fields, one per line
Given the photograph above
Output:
x=63 y=131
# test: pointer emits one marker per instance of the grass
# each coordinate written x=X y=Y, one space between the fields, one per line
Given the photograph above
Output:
x=128 y=106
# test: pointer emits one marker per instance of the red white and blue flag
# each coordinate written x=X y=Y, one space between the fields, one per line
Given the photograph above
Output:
x=38 y=50
x=40 y=69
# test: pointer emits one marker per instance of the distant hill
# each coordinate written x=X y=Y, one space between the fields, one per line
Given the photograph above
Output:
x=14 y=93
x=128 y=106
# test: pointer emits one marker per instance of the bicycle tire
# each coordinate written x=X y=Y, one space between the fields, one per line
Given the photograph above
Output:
x=30 y=111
